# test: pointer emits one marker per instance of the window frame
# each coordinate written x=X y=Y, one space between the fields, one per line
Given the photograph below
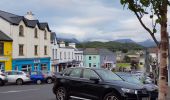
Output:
x=36 y=50
x=45 y=50
x=21 y=52
x=21 y=31
x=36 y=33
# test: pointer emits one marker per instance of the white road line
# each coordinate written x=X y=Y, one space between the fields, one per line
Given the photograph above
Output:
x=16 y=91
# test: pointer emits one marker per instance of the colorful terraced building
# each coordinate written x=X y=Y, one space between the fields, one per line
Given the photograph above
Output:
x=5 y=52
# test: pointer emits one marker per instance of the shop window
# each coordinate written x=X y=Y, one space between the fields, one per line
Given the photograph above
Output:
x=26 y=68
x=44 y=67
x=21 y=49
x=2 y=68
x=35 y=67
x=21 y=31
x=1 y=48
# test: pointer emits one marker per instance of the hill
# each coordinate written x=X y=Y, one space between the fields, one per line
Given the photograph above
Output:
x=112 y=45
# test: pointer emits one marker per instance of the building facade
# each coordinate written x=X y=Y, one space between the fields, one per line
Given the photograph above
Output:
x=31 y=41
x=91 y=58
x=5 y=52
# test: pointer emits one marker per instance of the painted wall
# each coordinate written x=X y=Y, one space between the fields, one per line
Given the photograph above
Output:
x=7 y=58
x=28 y=40
x=95 y=60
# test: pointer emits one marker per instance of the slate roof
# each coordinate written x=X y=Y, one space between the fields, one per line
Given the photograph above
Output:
x=4 y=37
x=15 y=20
x=91 y=51
x=105 y=52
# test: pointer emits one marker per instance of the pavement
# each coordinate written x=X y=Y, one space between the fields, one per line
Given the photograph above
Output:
x=168 y=96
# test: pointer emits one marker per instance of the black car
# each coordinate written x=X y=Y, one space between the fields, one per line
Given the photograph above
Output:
x=151 y=88
x=95 y=84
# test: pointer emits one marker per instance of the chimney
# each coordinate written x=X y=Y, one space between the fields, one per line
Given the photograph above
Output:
x=30 y=16
x=62 y=44
x=72 y=45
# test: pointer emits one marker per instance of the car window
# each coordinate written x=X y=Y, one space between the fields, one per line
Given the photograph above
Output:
x=19 y=73
x=87 y=73
x=67 y=72
x=9 y=73
x=75 y=73
x=108 y=75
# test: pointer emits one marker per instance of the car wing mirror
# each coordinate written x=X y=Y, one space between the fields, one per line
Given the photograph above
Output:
x=95 y=79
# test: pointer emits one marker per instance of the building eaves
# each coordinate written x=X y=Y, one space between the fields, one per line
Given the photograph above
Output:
x=4 y=37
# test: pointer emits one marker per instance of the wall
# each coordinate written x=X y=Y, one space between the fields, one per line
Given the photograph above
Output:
x=92 y=61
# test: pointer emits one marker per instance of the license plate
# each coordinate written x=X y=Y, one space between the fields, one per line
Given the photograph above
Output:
x=145 y=98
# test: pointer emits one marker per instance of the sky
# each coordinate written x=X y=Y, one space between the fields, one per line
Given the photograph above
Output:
x=85 y=20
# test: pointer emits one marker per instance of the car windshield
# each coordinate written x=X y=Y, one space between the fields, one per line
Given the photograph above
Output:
x=108 y=75
x=131 y=79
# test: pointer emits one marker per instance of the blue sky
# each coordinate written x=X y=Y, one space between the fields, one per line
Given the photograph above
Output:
x=103 y=20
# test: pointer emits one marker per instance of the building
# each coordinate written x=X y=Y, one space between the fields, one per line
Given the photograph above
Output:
x=5 y=52
x=91 y=57
x=78 y=57
x=31 y=41
x=99 y=58
x=107 y=59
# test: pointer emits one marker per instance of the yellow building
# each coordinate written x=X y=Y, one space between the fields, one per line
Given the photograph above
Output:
x=5 y=52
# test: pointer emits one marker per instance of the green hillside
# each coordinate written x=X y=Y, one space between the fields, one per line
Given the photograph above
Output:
x=113 y=46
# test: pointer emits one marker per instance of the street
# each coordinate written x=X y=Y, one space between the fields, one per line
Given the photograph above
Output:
x=27 y=92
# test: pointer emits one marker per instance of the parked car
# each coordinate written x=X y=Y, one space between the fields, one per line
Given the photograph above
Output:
x=151 y=88
x=3 y=78
x=49 y=76
x=37 y=77
x=95 y=84
x=18 y=77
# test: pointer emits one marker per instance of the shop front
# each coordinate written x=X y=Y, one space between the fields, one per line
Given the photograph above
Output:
x=31 y=64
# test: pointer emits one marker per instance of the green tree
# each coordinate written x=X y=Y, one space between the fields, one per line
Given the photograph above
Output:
x=157 y=12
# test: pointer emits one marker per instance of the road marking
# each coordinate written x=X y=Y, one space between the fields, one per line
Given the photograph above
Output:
x=16 y=91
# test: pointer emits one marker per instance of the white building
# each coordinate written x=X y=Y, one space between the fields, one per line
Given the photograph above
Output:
x=31 y=41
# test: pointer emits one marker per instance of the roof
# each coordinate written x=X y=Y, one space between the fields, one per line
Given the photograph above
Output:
x=4 y=37
x=105 y=52
x=15 y=20
x=91 y=51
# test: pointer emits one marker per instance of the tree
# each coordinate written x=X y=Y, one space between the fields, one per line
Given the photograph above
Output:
x=156 y=10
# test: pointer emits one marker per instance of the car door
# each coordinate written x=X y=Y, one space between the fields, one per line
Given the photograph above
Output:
x=90 y=88
x=11 y=76
x=75 y=82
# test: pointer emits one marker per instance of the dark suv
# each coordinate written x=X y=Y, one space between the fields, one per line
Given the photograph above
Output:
x=95 y=84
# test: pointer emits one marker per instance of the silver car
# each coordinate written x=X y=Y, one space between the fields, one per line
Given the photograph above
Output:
x=18 y=77
x=3 y=78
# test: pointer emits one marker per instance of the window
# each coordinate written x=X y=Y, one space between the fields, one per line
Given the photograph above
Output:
x=35 y=67
x=64 y=55
x=56 y=54
x=21 y=30
x=94 y=65
x=45 y=34
x=75 y=73
x=1 y=48
x=68 y=55
x=78 y=58
x=26 y=68
x=94 y=57
x=36 y=50
x=89 y=64
x=44 y=67
x=60 y=55
x=66 y=72
x=45 y=50
x=72 y=55
x=36 y=33
x=87 y=73
x=21 y=49
x=89 y=57
x=53 y=53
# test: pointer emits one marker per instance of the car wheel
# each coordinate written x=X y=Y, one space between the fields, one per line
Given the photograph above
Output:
x=111 y=96
x=49 y=80
x=38 y=82
x=1 y=83
x=19 y=81
x=61 y=94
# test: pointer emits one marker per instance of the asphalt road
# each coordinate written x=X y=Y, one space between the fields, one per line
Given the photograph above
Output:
x=27 y=92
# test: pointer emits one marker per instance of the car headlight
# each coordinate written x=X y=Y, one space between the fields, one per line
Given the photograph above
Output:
x=125 y=90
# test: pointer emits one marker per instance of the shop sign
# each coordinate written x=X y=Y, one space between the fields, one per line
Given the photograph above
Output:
x=4 y=58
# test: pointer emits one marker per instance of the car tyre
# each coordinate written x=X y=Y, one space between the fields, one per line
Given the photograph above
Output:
x=61 y=94
x=111 y=96
x=19 y=82
x=49 y=80
x=1 y=83
x=39 y=82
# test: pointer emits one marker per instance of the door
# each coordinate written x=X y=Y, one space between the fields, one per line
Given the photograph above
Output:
x=11 y=77
x=75 y=82
x=89 y=88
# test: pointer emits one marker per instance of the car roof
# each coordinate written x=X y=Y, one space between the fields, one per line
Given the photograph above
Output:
x=93 y=68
